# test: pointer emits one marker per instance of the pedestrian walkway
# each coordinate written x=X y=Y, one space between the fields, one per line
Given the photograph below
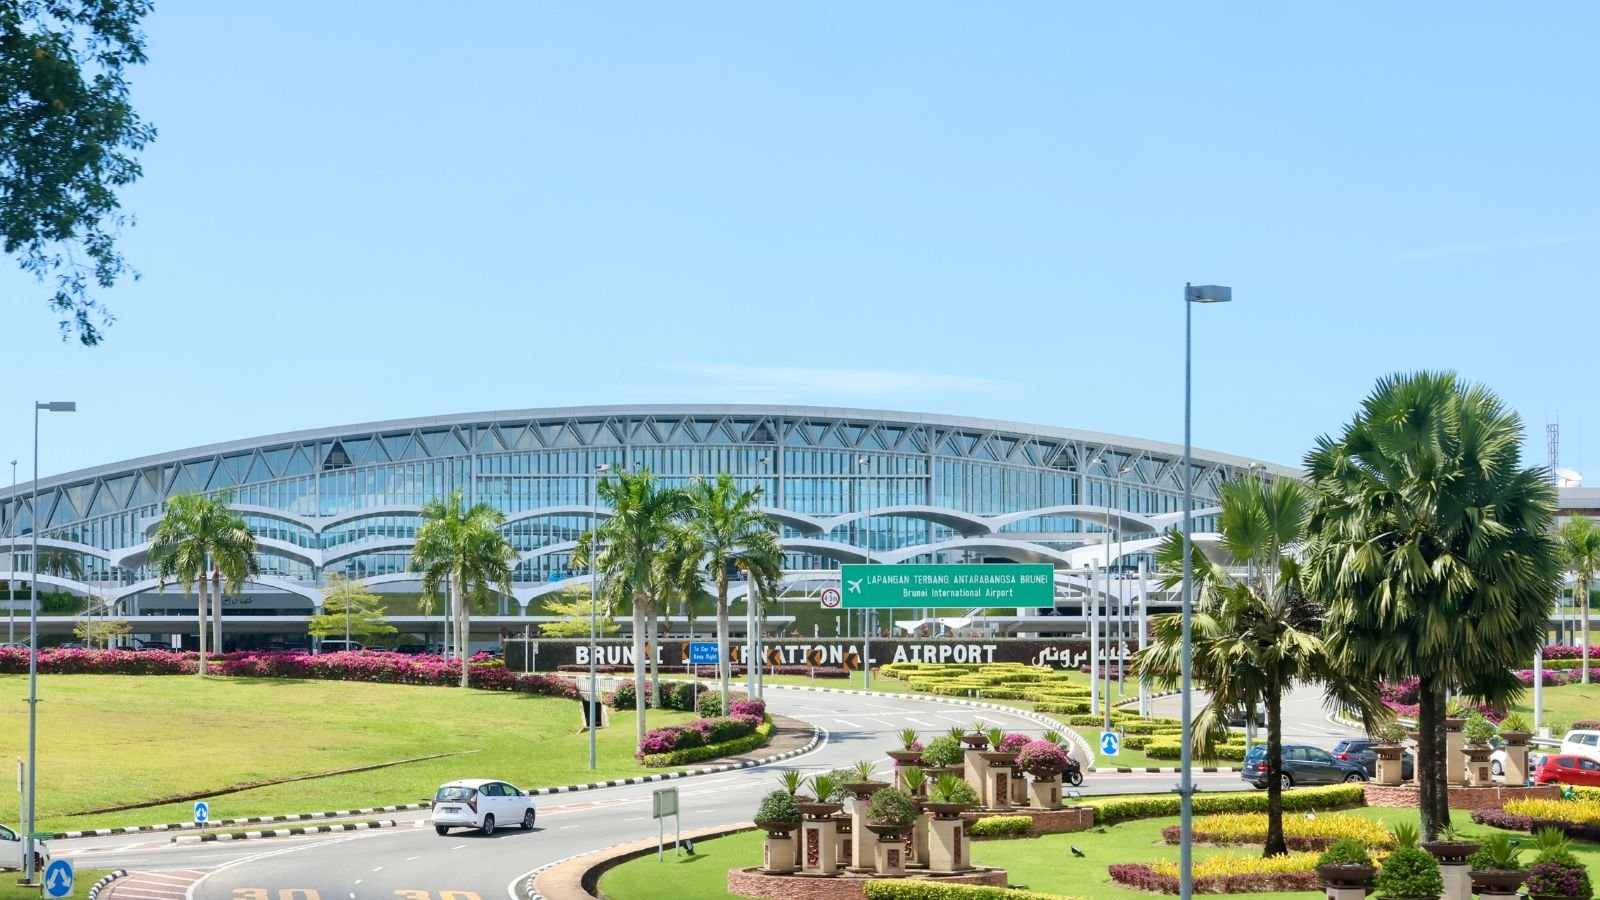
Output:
x=170 y=885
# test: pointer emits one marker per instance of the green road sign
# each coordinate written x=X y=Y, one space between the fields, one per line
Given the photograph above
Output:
x=909 y=585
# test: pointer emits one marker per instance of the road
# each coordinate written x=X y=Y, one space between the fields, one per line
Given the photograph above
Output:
x=411 y=862
x=1305 y=719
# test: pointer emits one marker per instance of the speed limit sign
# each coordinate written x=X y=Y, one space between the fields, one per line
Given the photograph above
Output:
x=830 y=598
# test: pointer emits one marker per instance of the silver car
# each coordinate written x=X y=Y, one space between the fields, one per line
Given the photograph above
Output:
x=481 y=803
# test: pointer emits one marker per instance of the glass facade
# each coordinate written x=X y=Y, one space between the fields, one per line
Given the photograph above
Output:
x=346 y=500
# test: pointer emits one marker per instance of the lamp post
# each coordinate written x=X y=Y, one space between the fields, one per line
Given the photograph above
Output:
x=11 y=576
x=1192 y=294
x=1113 y=506
x=594 y=606
x=866 y=614
x=752 y=632
x=33 y=639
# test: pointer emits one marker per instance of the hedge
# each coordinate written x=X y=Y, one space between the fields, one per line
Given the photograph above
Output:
x=1155 y=806
x=929 y=890
x=1000 y=826
x=1162 y=748
x=1496 y=818
x=762 y=735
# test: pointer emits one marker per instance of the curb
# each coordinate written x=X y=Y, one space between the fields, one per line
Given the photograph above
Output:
x=1134 y=700
x=1167 y=770
x=253 y=820
x=94 y=890
x=281 y=832
x=1042 y=719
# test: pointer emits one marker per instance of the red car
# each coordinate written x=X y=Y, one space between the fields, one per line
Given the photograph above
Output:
x=1567 y=769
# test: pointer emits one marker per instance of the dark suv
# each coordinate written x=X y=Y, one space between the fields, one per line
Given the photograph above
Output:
x=1359 y=750
x=1303 y=764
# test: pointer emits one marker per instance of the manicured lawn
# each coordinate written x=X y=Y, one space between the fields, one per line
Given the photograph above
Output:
x=1565 y=704
x=82 y=880
x=1043 y=864
x=116 y=740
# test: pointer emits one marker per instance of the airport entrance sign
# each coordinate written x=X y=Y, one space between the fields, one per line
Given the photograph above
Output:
x=920 y=585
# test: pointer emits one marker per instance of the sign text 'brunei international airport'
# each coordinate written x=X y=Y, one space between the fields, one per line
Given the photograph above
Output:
x=912 y=585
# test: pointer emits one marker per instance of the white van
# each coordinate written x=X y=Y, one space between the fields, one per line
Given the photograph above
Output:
x=1582 y=743
x=11 y=851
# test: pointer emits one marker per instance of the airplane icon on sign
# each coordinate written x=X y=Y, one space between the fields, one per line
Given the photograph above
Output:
x=855 y=586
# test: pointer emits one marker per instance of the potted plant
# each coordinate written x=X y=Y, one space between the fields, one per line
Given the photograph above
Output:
x=956 y=733
x=949 y=795
x=1346 y=862
x=1014 y=742
x=1515 y=729
x=1449 y=848
x=914 y=779
x=1478 y=730
x=975 y=737
x=1556 y=874
x=863 y=786
x=778 y=814
x=1455 y=715
x=1497 y=865
x=1042 y=759
x=791 y=779
x=942 y=753
x=1053 y=737
x=891 y=813
x=910 y=752
x=1408 y=873
x=1390 y=736
x=826 y=792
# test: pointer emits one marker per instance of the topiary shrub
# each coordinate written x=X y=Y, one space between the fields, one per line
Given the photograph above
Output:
x=892 y=806
x=1000 y=826
x=942 y=751
x=949 y=788
x=1409 y=872
x=778 y=806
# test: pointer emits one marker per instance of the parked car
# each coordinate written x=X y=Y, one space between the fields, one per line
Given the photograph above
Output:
x=339 y=646
x=71 y=645
x=480 y=803
x=13 y=645
x=411 y=649
x=1302 y=765
x=11 y=851
x=151 y=645
x=1582 y=743
x=1238 y=719
x=1565 y=768
x=1359 y=750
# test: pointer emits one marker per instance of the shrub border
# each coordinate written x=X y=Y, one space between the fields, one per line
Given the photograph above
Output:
x=744 y=744
x=1140 y=876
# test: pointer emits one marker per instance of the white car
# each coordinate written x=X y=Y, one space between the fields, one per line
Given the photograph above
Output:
x=481 y=803
x=11 y=851
x=1581 y=743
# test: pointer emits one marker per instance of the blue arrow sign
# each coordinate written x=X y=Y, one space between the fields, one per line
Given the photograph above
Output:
x=58 y=879
x=703 y=653
x=1110 y=743
x=202 y=812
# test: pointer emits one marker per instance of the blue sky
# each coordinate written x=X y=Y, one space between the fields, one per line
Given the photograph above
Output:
x=366 y=211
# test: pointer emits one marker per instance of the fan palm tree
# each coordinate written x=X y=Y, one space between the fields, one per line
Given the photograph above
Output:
x=1253 y=637
x=61 y=562
x=1580 y=552
x=626 y=547
x=200 y=539
x=728 y=524
x=1432 y=548
x=462 y=548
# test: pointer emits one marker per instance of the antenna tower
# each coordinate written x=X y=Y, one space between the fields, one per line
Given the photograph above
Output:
x=1552 y=433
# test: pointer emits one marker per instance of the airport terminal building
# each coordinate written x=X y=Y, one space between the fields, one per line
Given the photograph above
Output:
x=845 y=485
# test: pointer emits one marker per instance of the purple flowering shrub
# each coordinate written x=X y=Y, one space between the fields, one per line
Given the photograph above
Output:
x=1014 y=742
x=698 y=733
x=1041 y=759
x=14 y=660
x=1559 y=874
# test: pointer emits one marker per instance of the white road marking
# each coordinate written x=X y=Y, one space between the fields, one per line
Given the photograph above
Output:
x=378 y=869
x=458 y=846
x=410 y=858
x=563 y=828
x=358 y=881
x=847 y=724
x=951 y=719
x=636 y=819
x=922 y=723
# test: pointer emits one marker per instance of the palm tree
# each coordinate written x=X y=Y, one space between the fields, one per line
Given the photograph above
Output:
x=728 y=525
x=1432 y=548
x=1253 y=637
x=61 y=562
x=626 y=547
x=679 y=581
x=202 y=539
x=1580 y=551
x=464 y=549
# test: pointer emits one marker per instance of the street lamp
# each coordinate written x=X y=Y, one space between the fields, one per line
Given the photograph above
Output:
x=33 y=638
x=1192 y=294
x=594 y=606
x=866 y=614
x=1113 y=506
x=11 y=575
x=752 y=633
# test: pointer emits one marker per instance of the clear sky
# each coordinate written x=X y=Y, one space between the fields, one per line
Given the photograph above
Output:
x=361 y=211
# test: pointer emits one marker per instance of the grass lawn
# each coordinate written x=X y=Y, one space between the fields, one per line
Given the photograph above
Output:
x=114 y=740
x=1043 y=864
x=82 y=880
x=1564 y=705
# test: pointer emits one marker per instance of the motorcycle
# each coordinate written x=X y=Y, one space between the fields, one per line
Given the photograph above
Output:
x=1073 y=774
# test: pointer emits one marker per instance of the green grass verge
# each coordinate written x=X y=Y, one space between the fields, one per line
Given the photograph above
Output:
x=1565 y=704
x=115 y=740
x=1043 y=863
x=82 y=880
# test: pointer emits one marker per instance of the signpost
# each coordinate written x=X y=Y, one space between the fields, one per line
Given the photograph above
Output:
x=916 y=585
x=830 y=598
x=202 y=812
x=701 y=653
x=58 y=878
x=1110 y=743
x=663 y=803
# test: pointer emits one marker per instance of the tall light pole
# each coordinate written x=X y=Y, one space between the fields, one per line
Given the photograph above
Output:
x=752 y=632
x=1113 y=506
x=866 y=614
x=1192 y=294
x=11 y=576
x=594 y=607
x=33 y=638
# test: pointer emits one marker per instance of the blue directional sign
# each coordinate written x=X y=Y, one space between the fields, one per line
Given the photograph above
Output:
x=58 y=879
x=1110 y=743
x=703 y=653
x=202 y=812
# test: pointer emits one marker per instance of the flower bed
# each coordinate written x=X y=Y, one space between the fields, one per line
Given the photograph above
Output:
x=680 y=695
x=916 y=889
x=1153 y=806
x=1225 y=874
x=1498 y=818
x=756 y=736
x=14 y=661
x=1299 y=832
x=710 y=672
x=1583 y=811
